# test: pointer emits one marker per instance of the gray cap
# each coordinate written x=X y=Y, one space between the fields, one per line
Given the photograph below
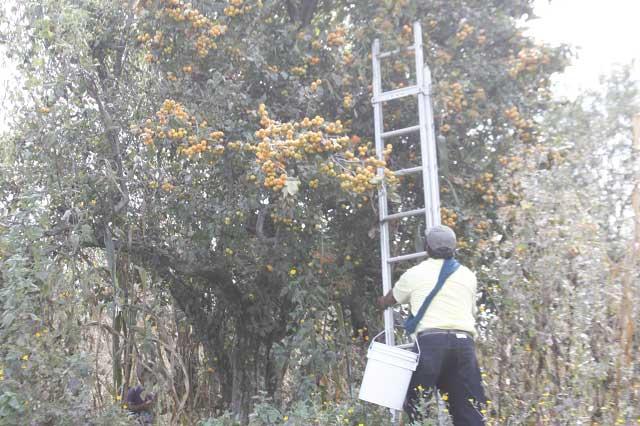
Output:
x=441 y=237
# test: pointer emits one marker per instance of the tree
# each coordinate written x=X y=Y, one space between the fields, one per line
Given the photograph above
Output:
x=554 y=311
x=145 y=128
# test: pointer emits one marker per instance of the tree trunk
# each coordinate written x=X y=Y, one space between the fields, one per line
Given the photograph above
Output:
x=242 y=367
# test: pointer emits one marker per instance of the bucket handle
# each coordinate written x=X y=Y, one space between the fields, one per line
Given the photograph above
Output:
x=400 y=346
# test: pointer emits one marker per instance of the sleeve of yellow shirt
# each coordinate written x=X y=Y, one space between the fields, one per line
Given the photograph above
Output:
x=402 y=289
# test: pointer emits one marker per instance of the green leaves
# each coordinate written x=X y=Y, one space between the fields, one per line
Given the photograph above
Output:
x=10 y=407
x=37 y=334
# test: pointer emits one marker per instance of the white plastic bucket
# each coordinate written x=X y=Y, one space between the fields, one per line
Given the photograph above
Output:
x=387 y=375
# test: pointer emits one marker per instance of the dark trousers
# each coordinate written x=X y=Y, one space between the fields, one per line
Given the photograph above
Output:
x=448 y=362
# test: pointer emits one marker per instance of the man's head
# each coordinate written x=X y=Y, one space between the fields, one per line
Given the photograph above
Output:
x=145 y=375
x=440 y=242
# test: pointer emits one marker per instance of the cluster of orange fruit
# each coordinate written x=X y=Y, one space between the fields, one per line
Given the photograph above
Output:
x=152 y=42
x=512 y=163
x=238 y=7
x=336 y=38
x=143 y=38
x=480 y=95
x=462 y=244
x=281 y=219
x=481 y=37
x=189 y=135
x=281 y=143
x=464 y=32
x=204 y=44
x=172 y=108
x=527 y=59
x=314 y=85
x=482 y=226
x=484 y=185
x=453 y=96
x=147 y=136
x=443 y=57
x=167 y=186
x=194 y=148
x=299 y=71
x=448 y=217
x=524 y=126
x=407 y=32
x=347 y=101
x=203 y=29
x=347 y=58
x=512 y=113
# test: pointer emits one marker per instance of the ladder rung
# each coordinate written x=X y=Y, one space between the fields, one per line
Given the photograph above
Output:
x=406 y=346
x=408 y=171
x=397 y=93
x=400 y=132
x=407 y=257
x=408 y=213
x=393 y=52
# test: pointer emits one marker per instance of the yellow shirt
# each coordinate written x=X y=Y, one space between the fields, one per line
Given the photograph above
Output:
x=454 y=306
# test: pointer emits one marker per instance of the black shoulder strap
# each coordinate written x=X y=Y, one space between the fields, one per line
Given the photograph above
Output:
x=449 y=266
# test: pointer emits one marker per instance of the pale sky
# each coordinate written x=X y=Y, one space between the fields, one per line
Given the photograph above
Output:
x=605 y=32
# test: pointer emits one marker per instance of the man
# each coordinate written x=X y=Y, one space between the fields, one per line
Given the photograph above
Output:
x=138 y=401
x=445 y=333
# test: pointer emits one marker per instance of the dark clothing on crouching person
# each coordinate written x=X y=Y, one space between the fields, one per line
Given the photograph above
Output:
x=135 y=398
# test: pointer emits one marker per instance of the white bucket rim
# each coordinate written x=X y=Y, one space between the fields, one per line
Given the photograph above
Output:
x=373 y=341
x=402 y=363
x=394 y=351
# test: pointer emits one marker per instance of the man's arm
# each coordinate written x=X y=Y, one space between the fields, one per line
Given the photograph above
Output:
x=386 y=301
x=398 y=294
x=145 y=405
x=140 y=407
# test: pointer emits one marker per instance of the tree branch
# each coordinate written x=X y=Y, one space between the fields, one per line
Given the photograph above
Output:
x=291 y=10
x=112 y=136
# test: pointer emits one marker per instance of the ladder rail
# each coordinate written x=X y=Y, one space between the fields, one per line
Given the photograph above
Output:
x=432 y=154
x=427 y=138
x=385 y=250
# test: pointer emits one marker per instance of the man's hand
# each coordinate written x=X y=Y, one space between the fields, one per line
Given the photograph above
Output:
x=141 y=407
x=149 y=400
x=385 y=301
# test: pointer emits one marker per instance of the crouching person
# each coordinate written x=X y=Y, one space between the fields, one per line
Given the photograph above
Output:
x=139 y=401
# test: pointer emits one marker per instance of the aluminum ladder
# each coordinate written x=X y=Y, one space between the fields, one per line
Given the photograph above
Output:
x=428 y=168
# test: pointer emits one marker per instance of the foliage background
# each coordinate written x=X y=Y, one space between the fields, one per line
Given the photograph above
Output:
x=190 y=188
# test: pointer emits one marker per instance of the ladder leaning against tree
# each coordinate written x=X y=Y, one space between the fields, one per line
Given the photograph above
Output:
x=428 y=167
